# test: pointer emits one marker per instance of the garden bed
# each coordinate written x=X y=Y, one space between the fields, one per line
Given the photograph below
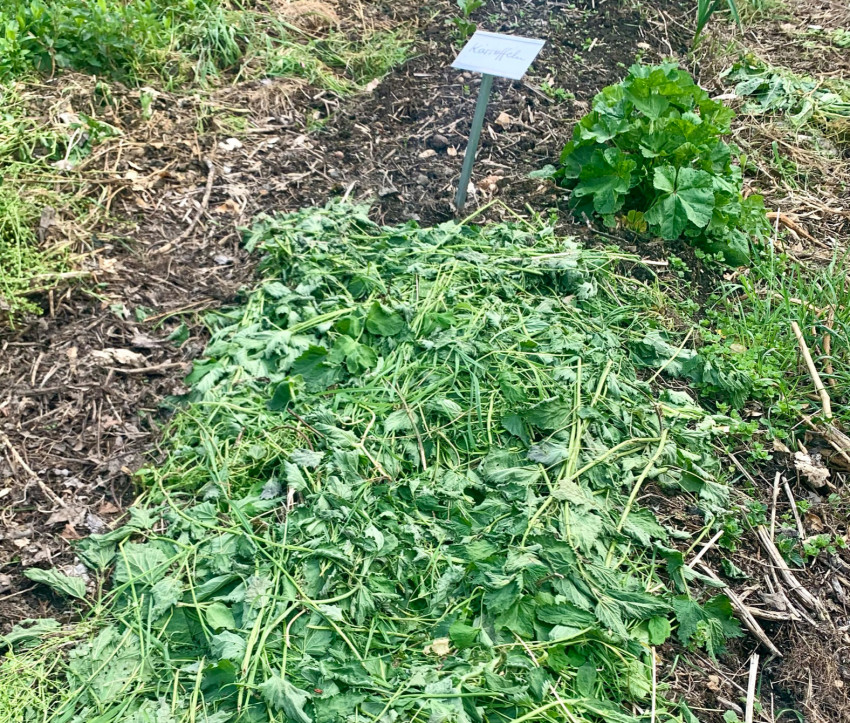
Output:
x=83 y=384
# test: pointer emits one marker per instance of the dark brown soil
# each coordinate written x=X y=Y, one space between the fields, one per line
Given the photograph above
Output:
x=402 y=146
x=77 y=418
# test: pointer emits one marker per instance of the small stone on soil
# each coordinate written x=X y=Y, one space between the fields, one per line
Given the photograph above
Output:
x=438 y=142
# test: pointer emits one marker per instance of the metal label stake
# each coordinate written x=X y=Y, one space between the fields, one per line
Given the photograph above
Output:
x=490 y=54
x=474 y=136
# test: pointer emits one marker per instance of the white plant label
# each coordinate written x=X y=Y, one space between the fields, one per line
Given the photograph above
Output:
x=507 y=56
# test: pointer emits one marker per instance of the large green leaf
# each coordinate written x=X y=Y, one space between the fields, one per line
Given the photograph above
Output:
x=313 y=366
x=219 y=616
x=70 y=586
x=383 y=321
x=357 y=357
x=281 y=695
x=607 y=178
x=687 y=195
x=463 y=635
x=140 y=564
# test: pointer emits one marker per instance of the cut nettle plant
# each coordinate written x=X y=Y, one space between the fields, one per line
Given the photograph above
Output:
x=405 y=486
x=651 y=156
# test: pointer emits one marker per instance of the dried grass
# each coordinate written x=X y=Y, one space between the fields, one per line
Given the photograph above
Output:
x=802 y=172
x=309 y=15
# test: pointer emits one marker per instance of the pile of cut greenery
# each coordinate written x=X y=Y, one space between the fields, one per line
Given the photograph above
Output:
x=778 y=91
x=405 y=486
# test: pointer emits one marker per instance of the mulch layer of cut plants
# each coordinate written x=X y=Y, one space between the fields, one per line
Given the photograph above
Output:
x=81 y=387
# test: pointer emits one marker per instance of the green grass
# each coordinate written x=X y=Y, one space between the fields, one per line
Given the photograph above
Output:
x=180 y=41
x=750 y=327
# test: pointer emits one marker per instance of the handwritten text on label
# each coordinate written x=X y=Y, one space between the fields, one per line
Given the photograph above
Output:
x=507 y=56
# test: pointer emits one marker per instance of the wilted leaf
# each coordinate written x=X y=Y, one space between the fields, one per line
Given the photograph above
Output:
x=280 y=694
x=70 y=586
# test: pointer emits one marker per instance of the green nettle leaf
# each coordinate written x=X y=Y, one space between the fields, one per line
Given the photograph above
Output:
x=720 y=608
x=687 y=196
x=70 y=586
x=383 y=322
x=609 y=616
x=313 y=367
x=166 y=594
x=519 y=618
x=142 y=519
x=639 y=680
x=586 y=680
x=219 y=617
x=95 y=552
x=478 y=550
x=360 y=358
x=280 y=694
x=502 y=598
x=30 y=631
x=659 y=630
x=306 y=458
x=514 y=424
x=708 y=625
x=565 y=614
x=228 y=646
x=548 y=453
x=638 y=605
x=552 y=414
x=284 y=395
x=731 y=570
x=608 y=178
x=140 y=564
x=337 y=708
x=641 y=525
x=463 y=635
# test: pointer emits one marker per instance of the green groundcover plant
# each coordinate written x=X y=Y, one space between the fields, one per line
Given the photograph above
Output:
x=651 y=154
x=179 y=41
x=405 y=486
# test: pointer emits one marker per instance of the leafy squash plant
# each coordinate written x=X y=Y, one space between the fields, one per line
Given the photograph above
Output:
x=651 y=155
